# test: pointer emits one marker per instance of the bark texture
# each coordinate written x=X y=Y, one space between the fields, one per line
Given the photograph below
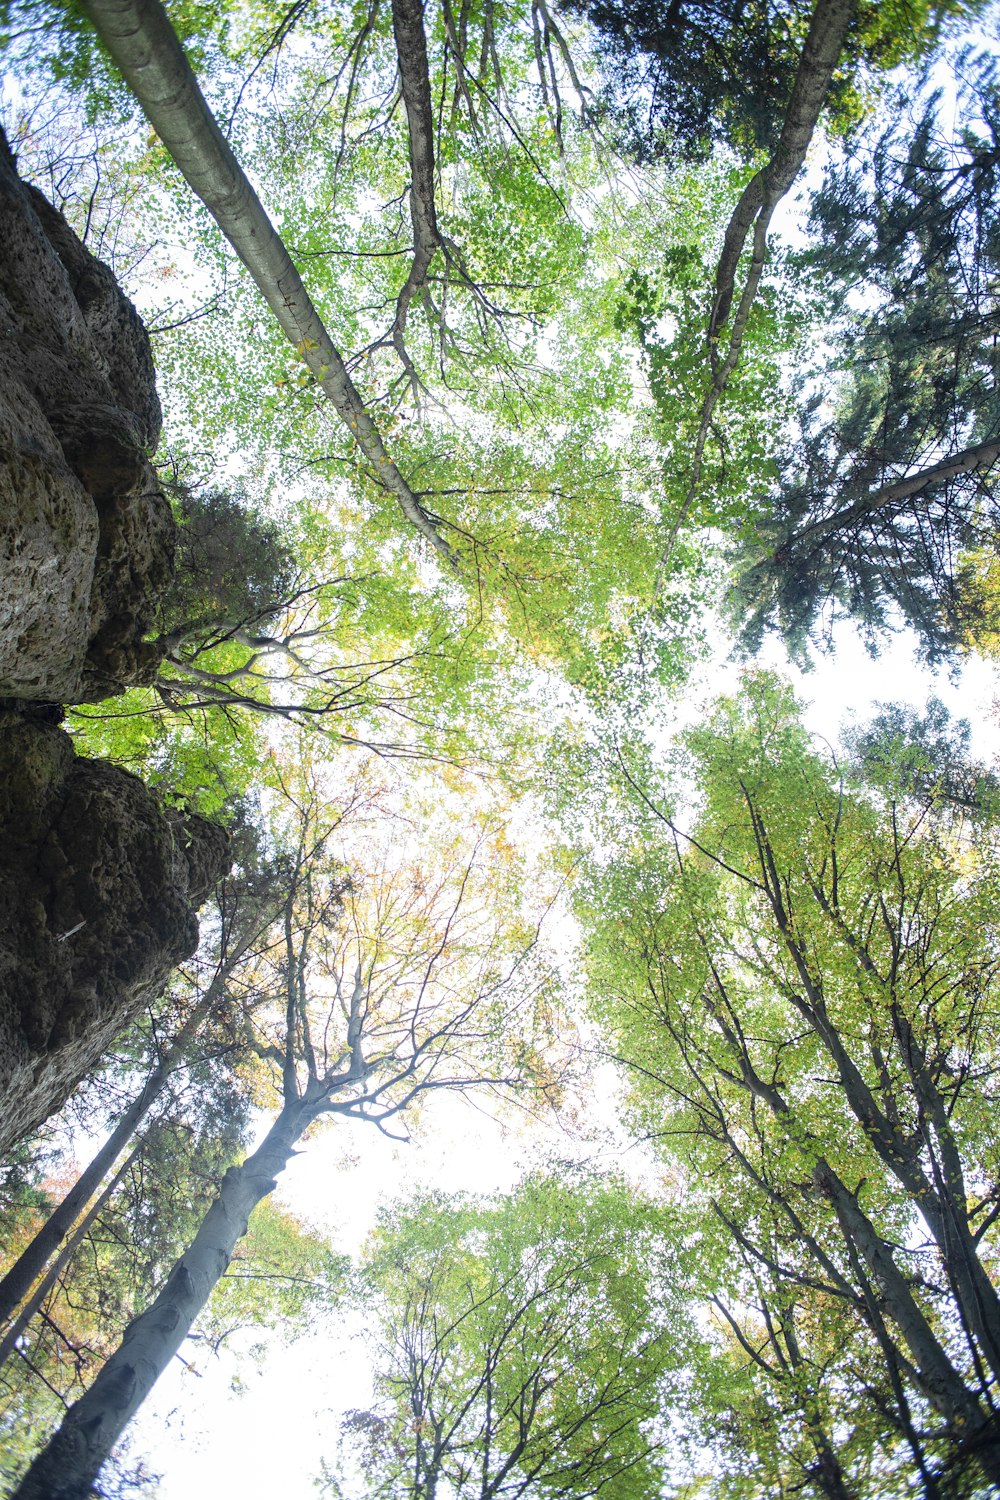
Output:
x=86 y=538
x=98 y=892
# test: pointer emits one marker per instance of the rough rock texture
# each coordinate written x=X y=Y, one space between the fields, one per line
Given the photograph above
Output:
x=98 y=890
x=98 y=883
x=86 y=538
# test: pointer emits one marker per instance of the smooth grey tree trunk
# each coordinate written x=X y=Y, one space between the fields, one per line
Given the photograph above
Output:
x=67 y=1468
x=145 y=47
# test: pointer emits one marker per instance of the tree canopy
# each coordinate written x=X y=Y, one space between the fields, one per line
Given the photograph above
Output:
x=498 y=383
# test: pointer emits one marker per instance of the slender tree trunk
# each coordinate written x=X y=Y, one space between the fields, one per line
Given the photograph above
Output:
x=755 y=209
x=942 y=1194
x=827 y=1472
x=820 y=55
x=67 y=1468
x=968 y=461
x=31 y=1262
x=48 y=1281
x=411 y=49
x=942 y=1383
x=143 y=44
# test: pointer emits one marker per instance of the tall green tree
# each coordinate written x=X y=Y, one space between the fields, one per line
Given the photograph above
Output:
x=700 y=72
x=482 y=325
x=801 y=984
x=389 y=988
x=523 y=1346
x=889 y=486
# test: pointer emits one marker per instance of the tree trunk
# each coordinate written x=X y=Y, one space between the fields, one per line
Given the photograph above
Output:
x=940 y=1381
x=942 y=1195
x=28 y=1267
x=67 y=1468
x=755 y=209
x=820 y=55
x=942 y=1384
x=967 y=461
x=143 y=44
x=411 y=49
x=38 y=1296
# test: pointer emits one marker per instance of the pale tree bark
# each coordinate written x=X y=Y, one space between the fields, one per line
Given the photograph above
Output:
x=144 y=46
x=755 y=209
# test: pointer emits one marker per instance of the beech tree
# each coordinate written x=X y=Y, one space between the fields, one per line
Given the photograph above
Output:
x=521 y=1348
x=390 y=990
x=800 y=985
x=479 y=535
x=481 y=325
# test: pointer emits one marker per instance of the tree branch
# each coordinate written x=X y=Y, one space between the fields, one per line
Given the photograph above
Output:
x=143 y=44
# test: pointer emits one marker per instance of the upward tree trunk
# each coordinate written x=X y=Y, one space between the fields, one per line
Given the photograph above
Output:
x=938 y=1378
x=143 y=44
x=28 y=1267
x=411 y=49
x=755 y=209
x=942 y=1384
x=820 y=55
x=67 y=1467
x=940 y=1191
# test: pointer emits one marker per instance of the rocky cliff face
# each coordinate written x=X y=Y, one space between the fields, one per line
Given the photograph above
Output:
x=86 y=539
x=98 y=890
x=98 y=883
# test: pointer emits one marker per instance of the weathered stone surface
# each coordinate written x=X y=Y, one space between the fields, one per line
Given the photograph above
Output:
x=86 y=538
x=98 y=891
